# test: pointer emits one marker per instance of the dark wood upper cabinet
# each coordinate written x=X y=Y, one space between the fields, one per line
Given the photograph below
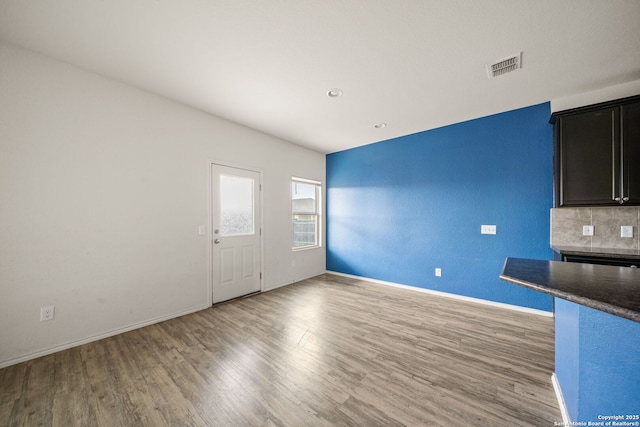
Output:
x=597 y=154
x=630 y=116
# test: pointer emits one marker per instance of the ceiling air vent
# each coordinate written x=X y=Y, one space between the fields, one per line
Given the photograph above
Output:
x=505 y=65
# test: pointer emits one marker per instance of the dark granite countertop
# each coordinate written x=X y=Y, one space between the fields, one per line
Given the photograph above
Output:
x=614 y=290
x=598 y=252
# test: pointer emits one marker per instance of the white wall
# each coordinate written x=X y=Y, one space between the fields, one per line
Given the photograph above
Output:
x=102 y=190
x=609 y=93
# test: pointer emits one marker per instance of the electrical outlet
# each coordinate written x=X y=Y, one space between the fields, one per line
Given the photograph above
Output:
x=487 y=229
x=626 y=231
x=587 y=230
x=438 y=272
x=46 y=313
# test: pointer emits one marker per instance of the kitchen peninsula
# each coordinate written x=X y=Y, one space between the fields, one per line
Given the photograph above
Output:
x=597 y=326
x=614 y=290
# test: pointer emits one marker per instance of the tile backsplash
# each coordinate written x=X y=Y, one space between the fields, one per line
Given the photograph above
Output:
x=566 y=227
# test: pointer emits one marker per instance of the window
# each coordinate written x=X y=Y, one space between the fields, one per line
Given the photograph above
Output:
x=305 y=209
x=236 y=206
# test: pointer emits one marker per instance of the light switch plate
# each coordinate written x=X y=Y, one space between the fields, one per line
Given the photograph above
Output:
x=587 y=230
x=487 y=229
x=626 y=231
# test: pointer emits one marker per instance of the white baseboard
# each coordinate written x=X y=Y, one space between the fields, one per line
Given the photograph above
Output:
x=65 y=346
x=563 y=407
x=293 y=281
x=449 y=295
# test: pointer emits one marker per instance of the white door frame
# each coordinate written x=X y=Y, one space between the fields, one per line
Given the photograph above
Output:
x=211 y=236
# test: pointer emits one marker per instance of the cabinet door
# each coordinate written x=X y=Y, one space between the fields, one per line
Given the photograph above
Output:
x=589 y=149
x=630 y=145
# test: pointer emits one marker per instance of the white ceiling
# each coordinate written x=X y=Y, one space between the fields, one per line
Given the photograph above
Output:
x=268 y=64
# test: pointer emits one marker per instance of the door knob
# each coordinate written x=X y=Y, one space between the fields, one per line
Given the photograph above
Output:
x=216 y=241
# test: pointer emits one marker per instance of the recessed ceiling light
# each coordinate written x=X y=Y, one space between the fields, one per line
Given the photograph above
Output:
x=334 y=93
x=380 y=125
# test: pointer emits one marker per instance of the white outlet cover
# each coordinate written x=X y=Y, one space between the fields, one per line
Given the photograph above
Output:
x=488 y=229
x=626 y=231
x=47 y=313
x=587 y=230
x=438 y=272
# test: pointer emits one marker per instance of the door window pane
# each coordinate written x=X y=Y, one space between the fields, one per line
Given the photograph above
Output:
x=236 y=205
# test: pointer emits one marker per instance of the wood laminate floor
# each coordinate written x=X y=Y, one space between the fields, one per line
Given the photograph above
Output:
x=328 y=351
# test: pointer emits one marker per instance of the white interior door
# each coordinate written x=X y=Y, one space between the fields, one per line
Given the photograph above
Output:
x=236 y=232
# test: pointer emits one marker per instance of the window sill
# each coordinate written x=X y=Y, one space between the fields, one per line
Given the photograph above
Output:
x=306 y=248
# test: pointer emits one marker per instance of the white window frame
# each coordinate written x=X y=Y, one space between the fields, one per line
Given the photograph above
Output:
x=318 y=214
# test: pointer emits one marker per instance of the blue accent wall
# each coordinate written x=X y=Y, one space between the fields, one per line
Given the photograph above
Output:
x=398 y=209
x=597 y=363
